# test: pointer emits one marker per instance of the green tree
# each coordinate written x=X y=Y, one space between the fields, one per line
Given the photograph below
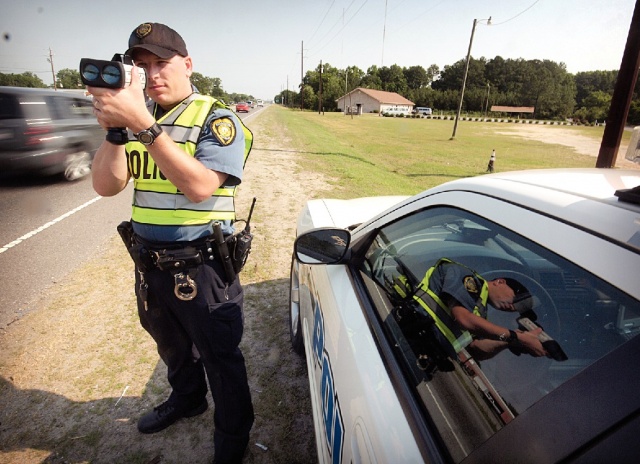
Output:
x=26 y=79
x=451 y=76
x=393 y=79
x=371 y=79
x=68 y=79
x=592 y=81
x=416 y=77
x=310 y=99
x=353 y=77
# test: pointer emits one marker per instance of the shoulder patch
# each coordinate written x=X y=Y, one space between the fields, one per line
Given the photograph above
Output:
x=470 y=284
x=224 y=130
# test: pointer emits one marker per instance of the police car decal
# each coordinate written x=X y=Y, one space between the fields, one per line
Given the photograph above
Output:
x=331 y=412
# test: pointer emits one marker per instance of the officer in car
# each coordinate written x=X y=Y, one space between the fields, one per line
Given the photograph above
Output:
x=186 y=154
x=456 y=299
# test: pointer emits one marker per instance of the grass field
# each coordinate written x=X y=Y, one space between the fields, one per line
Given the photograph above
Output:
x=371 y=155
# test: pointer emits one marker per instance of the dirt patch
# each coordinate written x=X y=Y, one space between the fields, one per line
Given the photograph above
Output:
x=76 y=374
x=582 y=144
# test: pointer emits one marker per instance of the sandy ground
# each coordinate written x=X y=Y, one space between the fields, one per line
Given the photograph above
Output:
x=561 y=136
x=76 y=374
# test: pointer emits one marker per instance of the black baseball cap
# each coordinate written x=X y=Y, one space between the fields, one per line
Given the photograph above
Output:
x=158 y=39
x=522 y=298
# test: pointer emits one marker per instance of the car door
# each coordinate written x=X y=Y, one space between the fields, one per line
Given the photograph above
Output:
x=483 y=408
x=358 y=416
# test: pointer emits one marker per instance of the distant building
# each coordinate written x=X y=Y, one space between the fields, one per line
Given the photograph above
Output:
x=361 y=100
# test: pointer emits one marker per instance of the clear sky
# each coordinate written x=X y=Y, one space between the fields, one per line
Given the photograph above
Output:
x=255 y=46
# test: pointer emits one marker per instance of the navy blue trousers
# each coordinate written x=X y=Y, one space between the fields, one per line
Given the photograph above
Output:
x=213 y=323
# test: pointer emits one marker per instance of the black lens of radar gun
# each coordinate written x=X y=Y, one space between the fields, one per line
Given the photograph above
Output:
x=111 y=74
x=90 y=72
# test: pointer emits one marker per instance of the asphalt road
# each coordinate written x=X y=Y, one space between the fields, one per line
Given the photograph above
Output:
x=49 y=228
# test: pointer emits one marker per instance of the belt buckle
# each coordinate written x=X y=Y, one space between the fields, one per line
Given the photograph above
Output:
x=185 y=288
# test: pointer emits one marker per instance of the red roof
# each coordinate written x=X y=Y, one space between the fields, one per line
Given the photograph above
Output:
x=384 y=97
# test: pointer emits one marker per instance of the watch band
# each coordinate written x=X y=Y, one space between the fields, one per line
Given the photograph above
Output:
x=509 y=337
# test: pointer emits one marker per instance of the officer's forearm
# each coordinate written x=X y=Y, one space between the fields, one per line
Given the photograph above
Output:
x=109 y=171
x=476 y=324
x=185 y=172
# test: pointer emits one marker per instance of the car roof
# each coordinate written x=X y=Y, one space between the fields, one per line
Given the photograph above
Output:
x=79 y=93
x=583 y=197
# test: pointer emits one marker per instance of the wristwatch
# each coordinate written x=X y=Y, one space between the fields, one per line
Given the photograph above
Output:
x=508 y=337
x=148 y=136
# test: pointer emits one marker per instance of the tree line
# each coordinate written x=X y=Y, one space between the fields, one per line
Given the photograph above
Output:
x=70 y=79
x=543 y=84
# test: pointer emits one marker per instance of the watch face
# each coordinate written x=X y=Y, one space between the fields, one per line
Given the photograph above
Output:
x=146 y=138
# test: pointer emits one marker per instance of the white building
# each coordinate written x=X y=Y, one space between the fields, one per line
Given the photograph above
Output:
x=362 y=100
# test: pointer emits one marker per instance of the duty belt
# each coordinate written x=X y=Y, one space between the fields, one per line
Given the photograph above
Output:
x=181 y=259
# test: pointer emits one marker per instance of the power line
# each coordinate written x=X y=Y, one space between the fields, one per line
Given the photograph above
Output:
x=322 y=21
x=342 y=28
x=514 y=17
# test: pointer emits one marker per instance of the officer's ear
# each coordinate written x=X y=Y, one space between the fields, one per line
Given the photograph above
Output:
x=188 y=65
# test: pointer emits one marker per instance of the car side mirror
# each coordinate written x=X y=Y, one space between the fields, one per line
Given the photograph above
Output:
x=322 y=246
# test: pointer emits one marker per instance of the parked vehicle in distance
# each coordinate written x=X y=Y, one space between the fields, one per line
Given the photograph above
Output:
x=423 y=111
x=386 y=385
x=395 y=110
x=242 y=107
x=47 y=132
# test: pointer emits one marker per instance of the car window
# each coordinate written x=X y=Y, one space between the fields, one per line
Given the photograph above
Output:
x=470 y=398
x=9 y=107
x=29 y=107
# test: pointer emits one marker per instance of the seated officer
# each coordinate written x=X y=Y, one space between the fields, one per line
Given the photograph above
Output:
x=456 y=298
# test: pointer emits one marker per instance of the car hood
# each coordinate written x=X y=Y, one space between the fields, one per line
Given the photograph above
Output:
x=344 y=214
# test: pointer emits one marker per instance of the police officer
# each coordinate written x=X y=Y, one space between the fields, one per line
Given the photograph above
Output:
x=456 y=298
x=186 y=154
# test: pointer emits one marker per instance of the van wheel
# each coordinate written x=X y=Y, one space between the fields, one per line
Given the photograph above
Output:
x=77 y=165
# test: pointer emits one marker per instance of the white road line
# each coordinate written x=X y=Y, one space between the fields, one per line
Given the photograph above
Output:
x=47 y=225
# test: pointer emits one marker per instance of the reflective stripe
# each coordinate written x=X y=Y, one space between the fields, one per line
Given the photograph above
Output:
x=440 y=312
x=156 y=200
x=444 y=321
x=181 y=217
x=170 y=201
x=183 y=134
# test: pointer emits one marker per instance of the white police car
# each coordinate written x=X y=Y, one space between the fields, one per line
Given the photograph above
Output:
x=381 y=389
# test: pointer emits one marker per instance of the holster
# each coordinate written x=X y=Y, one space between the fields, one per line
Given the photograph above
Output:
x=138 y=252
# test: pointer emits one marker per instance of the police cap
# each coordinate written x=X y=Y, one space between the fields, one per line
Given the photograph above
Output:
x=158 y=39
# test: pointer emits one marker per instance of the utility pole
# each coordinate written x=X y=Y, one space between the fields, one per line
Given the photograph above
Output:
x=302 y=76
x=50 y=60
x=320 y=91
x=622 y=95
x=466 y=71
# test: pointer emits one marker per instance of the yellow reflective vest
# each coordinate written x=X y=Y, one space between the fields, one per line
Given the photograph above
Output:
x=156 y=200
x=440 y=312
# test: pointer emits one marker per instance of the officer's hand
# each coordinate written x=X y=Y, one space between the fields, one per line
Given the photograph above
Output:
x=121 y=107
x=531 y=343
